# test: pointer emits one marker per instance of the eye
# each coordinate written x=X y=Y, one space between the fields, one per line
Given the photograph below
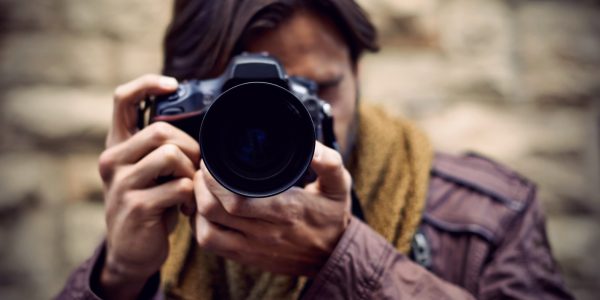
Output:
x=327 y=85
x=325 y=89
x=328 y=93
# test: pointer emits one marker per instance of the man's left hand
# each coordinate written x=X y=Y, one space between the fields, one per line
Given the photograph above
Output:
x=292 y=233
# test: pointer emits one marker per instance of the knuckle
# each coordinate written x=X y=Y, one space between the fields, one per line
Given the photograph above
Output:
x=122 y=175
x=127 y=198
x=271 y=238
x=106 y=165
x=204 y=238
x=185 y=186
x=234 y=206
x=206 y=207
x=334 y=162
x=170 y=153
x=121 y=179
x=195 y=153
x=292 y=211
x=161 y=131
x=120 y=93
x=278 y=208
x=295 y=208
x=136 y=205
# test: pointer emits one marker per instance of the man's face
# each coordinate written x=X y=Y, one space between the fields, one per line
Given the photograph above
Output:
x=310 y=46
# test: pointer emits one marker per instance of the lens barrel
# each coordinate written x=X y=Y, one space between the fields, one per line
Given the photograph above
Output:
x=257 y=139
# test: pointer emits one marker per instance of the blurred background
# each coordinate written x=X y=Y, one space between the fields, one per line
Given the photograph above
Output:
x=516 y=80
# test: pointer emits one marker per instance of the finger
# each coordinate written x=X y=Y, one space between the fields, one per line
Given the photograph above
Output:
x=333 y=180
x=166 y=161
x=188 y=208
x=145 y=141
x=212 y=237
x=266 y=209
x=126 y=100
x=212 y=209
x=169 y=194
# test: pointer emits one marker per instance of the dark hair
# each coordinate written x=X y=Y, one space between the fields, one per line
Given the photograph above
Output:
x=204 y=34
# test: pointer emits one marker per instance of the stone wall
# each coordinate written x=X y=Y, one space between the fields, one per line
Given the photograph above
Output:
x=59 y=63
x=516 y=80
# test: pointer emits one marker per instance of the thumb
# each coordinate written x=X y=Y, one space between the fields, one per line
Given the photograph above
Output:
x=333 y=180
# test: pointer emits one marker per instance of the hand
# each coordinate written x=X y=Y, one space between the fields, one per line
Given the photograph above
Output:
x=141 y=209
x=291 y=233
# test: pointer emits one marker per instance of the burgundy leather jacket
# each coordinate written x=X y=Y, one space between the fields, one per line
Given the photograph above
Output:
x=482 y=236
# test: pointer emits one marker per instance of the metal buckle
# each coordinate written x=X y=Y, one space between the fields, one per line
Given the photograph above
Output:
x=420 y=251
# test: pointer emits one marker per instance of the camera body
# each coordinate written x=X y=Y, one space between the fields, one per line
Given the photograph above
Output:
x=255 y=125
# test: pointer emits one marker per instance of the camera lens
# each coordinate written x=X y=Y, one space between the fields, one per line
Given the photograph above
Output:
x=257 y=139
x=258 y=146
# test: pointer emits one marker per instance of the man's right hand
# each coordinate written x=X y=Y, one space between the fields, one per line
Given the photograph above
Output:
x=141 y=208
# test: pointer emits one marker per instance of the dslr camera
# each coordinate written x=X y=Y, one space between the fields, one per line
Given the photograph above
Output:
x=255 y=125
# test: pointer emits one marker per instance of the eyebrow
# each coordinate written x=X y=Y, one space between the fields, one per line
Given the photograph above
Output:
x=331 y=82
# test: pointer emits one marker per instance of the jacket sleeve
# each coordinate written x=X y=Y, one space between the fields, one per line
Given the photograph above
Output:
x=522 y=266
x=365 y=266
x=83 y=282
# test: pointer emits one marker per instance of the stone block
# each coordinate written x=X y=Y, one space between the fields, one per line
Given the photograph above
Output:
x=575 y=240
x=133 y=60
x=58 y=118
x=476 y=39
x=55 y=58
x=559 y=42
x=31 y=185
x=81 y=178
x=507 y=132
x=83 y=229
x=408 y=23
x=408 y=83
x=137 y=21
x=561 y=180
x=33 y=256
x=545 y=145
x=45 y=232
x=592 y=150
x=26 y=181
x=31 y=15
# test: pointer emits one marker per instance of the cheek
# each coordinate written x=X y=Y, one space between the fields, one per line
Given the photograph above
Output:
x=343 y=104
x=342 y=99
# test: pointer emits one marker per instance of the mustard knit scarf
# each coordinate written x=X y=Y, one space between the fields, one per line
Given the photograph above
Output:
x=390 y=168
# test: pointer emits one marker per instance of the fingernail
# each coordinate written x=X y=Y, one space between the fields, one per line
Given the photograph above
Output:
x=168 y=82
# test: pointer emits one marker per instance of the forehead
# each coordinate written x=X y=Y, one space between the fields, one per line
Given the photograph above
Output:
x=307 y=44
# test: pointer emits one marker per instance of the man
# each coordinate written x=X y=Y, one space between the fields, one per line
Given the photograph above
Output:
x=476 y=228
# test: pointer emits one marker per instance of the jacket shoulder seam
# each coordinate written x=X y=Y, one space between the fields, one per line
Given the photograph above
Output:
x=467 y=171
x=471 y=179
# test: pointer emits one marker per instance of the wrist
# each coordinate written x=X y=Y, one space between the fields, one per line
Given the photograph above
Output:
x=118 y=281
